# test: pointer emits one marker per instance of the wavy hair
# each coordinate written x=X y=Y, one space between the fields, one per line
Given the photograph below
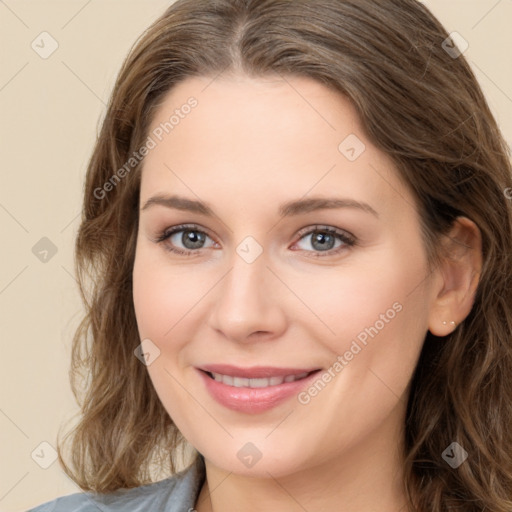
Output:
x=417 y=104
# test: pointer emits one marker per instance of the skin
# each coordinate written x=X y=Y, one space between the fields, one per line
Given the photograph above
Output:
x=250 y=145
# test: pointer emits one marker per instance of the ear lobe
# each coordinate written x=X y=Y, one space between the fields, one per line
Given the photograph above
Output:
x=459 y=273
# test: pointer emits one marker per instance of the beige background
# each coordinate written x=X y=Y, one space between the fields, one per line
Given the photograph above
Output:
x=50 y=111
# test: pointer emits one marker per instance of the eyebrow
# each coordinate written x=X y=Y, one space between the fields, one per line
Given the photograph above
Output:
x=288 y=209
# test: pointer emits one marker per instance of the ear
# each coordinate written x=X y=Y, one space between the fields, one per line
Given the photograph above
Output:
x=457 y=279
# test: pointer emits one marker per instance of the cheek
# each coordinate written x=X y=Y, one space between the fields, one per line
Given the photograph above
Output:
x=374 y=316
x=379 y=330
x=162 y=296
x=346 y=304
x=154 y=303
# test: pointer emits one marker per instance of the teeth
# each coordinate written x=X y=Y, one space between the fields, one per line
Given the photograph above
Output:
x=241 y=382
x=261 y=383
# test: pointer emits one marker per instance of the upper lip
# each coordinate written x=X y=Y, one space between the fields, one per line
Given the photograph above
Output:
x=254 y=372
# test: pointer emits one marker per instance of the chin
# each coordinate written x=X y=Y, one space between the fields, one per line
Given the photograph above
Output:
x=257 y=463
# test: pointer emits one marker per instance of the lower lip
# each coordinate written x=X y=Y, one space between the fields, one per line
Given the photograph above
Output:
x=254 y=400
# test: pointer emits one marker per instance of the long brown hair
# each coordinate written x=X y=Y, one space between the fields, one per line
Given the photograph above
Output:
x=418 y=104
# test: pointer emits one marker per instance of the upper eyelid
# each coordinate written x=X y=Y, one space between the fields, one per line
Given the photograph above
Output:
x=185 y=227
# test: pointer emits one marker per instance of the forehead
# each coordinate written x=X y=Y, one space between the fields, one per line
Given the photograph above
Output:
x=272 y=135
x=257 y=110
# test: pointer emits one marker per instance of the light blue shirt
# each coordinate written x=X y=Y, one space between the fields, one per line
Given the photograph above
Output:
x=178 y=493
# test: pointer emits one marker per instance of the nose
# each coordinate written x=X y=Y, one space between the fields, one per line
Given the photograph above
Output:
x=248 y=303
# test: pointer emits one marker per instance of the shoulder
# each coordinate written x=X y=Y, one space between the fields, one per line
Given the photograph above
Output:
x=177 y=493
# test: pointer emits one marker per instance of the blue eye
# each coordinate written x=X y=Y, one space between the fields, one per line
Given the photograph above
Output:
x=189 y=236
x=324 y=240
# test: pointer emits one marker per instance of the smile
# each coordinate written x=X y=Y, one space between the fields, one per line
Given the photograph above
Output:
x=254 y=390
x=241 y=382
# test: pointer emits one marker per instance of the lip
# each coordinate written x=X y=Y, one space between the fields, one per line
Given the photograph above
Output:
x=254 y=400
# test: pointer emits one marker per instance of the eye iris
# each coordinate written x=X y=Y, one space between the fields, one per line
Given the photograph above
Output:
x=325 y=240
x=194 y=238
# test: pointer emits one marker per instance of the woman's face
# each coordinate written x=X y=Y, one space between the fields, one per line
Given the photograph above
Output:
x=301 y=253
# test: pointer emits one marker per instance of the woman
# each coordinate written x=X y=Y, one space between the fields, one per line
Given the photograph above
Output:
x=298 y=232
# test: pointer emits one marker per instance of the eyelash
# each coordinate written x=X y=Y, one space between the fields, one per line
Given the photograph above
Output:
x=347 y=239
